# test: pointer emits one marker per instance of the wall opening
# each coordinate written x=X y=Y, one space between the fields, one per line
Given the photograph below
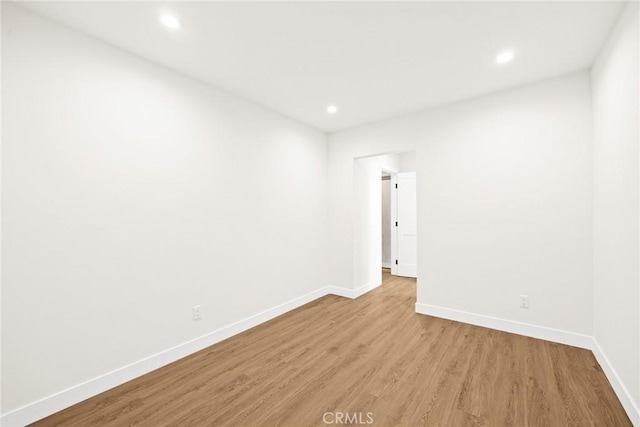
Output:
x=373 y=223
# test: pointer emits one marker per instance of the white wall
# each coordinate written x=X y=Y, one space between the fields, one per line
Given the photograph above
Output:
x=406 y=162
x=616 y=197
x=504 y=202
x=131 y=194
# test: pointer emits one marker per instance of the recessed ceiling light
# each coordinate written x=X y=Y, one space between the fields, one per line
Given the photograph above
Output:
x=504 y=57
x=170 y=21
x=332 y=109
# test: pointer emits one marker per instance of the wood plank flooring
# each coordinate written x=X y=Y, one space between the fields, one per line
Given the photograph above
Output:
x=370 y=355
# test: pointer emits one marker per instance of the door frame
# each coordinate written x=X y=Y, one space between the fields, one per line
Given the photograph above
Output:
x=393 y=217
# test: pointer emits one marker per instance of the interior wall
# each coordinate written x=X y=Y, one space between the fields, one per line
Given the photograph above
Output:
x=130 y=195
x=504 y=201
x=407 y=162
x=616 y=115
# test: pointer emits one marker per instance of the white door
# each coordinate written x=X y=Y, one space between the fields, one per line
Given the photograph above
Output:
x=406 y=230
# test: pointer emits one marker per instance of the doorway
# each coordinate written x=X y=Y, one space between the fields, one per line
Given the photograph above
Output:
x=399 y=223
x=368 y=217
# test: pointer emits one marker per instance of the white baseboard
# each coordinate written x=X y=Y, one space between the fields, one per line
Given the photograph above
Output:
x=549 y=334
x=342 y=292
x=65 y=398
x=616 y=383
x=354 y=293
x=386 y=265
x=526 y=329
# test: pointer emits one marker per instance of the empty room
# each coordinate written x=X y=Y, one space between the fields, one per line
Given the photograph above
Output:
x=320 y=213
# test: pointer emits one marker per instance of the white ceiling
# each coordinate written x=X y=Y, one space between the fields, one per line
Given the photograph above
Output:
x=374 y=60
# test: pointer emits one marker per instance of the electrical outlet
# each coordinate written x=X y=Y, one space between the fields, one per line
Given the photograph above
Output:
x=197 y=312
x=524 y=301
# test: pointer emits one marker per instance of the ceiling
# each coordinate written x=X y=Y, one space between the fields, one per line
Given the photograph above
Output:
x=373 y=60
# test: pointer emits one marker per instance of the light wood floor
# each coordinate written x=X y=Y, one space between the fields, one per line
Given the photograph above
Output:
x=373 y=354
